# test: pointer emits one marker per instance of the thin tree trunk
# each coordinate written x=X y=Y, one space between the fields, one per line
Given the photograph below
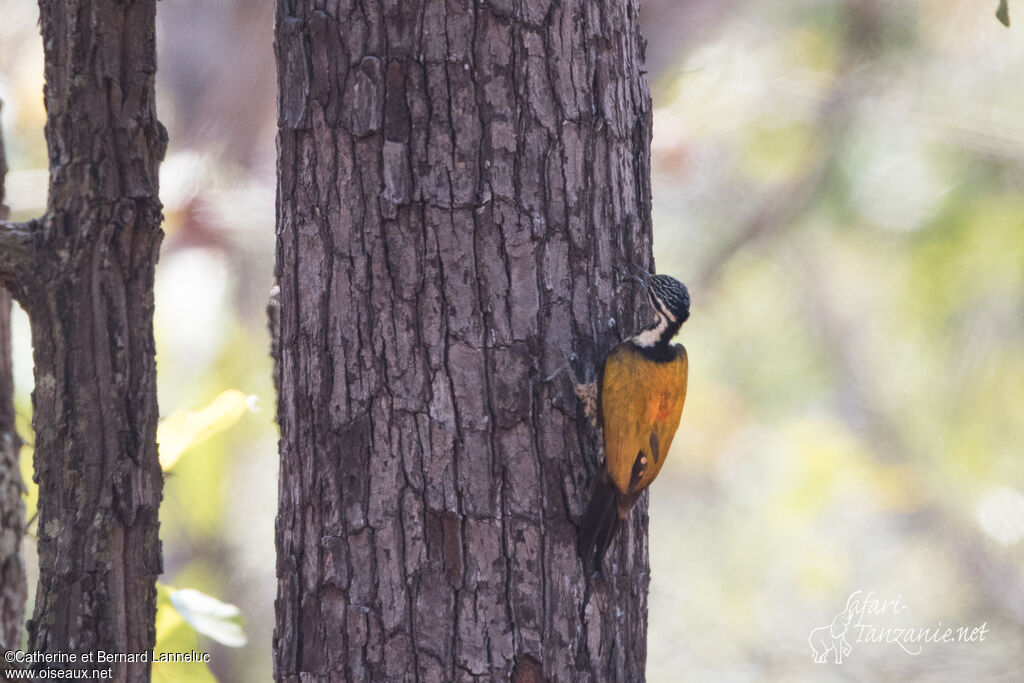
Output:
x=84 y=274
x=462 y=185
x=12 y=508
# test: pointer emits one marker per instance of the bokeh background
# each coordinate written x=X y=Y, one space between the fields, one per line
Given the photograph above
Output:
x=841 y=183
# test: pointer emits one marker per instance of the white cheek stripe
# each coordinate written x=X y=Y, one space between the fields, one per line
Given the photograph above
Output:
x=661 y=309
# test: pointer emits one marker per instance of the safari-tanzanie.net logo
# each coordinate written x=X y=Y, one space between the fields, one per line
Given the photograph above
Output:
x=869 y=619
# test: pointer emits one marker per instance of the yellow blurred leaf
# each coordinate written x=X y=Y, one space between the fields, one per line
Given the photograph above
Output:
x=895 y=486
x=776 y=152
x=31 y=491
x=183 y=429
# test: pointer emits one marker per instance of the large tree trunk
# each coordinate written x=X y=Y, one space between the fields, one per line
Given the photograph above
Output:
x=461 y=186
x=84 y=274
x=12 y=508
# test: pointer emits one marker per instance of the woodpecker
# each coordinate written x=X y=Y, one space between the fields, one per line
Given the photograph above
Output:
x=638 y=401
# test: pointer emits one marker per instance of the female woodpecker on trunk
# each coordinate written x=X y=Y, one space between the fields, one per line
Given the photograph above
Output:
x=638 y=400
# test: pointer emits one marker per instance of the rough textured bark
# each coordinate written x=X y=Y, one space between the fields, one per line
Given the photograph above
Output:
x=462 y=186
x=12 y=508
x=84 y=274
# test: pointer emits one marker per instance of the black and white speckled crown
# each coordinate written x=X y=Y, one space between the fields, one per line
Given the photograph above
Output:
x=673 y=295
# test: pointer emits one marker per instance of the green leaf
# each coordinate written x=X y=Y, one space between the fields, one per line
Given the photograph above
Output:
x=183 y=429
x=1003 y=13
x=209 y=616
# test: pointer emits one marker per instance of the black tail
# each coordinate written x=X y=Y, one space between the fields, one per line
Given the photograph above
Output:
x=599 y=523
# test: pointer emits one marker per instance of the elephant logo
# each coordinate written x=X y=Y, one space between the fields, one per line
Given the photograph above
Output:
x=831 y=639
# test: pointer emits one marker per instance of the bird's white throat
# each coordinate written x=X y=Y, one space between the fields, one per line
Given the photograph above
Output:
x=651 y=336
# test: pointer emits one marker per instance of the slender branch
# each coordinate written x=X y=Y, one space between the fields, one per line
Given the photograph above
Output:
x=834 y=117
x=17 y=250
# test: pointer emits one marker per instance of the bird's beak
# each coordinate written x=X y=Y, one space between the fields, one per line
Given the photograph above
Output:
x=641 y=276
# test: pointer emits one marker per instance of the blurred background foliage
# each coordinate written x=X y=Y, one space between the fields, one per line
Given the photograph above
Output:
x=841 y=183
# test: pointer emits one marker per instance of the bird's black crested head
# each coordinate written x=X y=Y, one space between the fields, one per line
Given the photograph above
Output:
x=670 y=297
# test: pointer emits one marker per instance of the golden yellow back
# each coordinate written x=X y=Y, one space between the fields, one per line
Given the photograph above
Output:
x=641 y=404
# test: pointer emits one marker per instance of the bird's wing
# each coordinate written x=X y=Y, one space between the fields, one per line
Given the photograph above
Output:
x=641 y=404
x=672 y=379
x=626 y=400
